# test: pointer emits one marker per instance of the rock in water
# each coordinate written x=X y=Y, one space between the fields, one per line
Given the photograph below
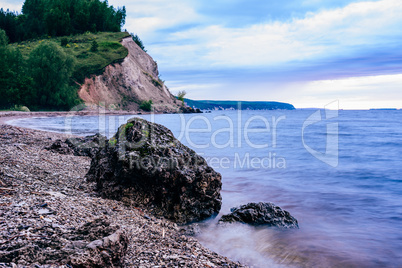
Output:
x=261 y=214
x=144 y=164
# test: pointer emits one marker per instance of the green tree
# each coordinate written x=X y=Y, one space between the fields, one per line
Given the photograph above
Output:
x=181 y=94
x=94 y=46
x=58 y=20
x=3 y=38
x=61 y=17
x=51 y=69
x=138 y=41
x=34 y=18
x=10 y=22
x=146 y=105
x=13 y=80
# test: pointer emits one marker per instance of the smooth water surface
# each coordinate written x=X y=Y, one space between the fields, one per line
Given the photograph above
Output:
x=348 y=201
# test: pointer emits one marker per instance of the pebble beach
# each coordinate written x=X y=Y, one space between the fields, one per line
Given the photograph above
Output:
x=46 y=203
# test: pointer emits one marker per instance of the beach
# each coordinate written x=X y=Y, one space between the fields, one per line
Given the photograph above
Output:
x=44 y=199
x=338 y=208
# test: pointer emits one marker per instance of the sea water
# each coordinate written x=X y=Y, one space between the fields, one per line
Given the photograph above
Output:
x=339 y=173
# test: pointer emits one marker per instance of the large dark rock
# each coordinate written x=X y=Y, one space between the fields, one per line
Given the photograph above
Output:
x=261 y=214
x=145 y=165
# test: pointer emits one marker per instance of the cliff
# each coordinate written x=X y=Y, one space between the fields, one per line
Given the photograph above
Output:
x=123 y=86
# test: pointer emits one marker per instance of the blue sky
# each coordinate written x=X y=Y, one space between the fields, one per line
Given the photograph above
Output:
x=306 y=52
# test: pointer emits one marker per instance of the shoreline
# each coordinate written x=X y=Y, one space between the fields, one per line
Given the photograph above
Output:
x=11 y=115
x=32 y=177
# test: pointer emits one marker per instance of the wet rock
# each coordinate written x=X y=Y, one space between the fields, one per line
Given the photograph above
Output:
x=144 y=164
x=189 y=110
x=60 y=147
x=261 y=214
x=86 y=146
x=190 y=230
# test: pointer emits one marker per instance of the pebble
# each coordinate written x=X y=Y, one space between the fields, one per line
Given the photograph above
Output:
x=50 y=200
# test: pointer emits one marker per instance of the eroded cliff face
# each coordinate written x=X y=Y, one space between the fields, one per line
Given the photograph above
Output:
x=123 y=86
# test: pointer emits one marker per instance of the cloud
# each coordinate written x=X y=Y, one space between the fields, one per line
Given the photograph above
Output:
x=383 y=91
x=238 y=13
x=147 y=17
x=347 y=53
x=307 y=52
x=327 y=34
x=11 y=5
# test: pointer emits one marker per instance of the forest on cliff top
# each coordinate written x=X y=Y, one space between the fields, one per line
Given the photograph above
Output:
x=47 y=50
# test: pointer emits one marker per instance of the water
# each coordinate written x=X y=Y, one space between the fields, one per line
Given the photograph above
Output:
x=349 y=209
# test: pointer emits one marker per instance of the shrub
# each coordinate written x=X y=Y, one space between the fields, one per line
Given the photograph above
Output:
x=64 y=41
x=146 y=105
x=20 y=108
x=138 y=41
x=94 y=46
x=181 y=94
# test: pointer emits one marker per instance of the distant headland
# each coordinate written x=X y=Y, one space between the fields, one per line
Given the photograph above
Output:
x=238 y=105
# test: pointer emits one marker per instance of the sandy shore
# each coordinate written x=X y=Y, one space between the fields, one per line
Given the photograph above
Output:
x=45 y=200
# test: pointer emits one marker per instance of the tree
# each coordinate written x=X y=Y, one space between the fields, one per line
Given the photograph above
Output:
x=13 y=80
x=3 y=38
x=34 y=22
x=61 y=17
x=94 y=46
x=51 y=69
x=10 y=22
x=146 y=105
x=138 y=41
x=181 y=94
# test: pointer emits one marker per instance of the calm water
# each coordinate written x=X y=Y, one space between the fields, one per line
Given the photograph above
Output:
x=348 y=202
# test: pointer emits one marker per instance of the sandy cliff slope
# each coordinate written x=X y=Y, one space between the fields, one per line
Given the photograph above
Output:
x=125 y=85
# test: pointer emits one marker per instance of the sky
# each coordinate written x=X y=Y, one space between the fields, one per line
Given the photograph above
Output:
x=305 y=52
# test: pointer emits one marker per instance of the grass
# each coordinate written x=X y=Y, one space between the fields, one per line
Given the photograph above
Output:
x=87 y=62
x=157 y=83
